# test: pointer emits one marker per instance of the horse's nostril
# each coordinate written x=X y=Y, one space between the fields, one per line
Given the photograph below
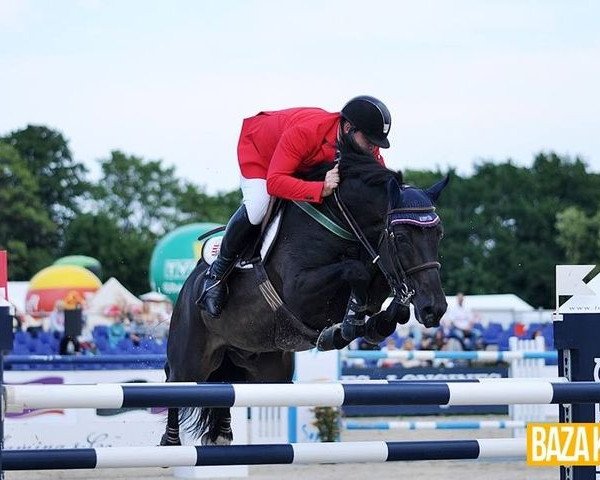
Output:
x=429 y=317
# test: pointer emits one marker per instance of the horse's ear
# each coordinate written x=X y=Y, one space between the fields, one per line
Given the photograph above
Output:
x=394 y=193
x=434 y=191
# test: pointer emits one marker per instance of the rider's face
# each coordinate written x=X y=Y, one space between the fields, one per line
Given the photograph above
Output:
x=364 y=144
x=360 y=139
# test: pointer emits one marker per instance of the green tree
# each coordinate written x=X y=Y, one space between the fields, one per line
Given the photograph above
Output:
x=500 y=224
x=197 y=206
x=26 y=230
x=141 y=195
x=124 y=254
x=577 y=235
x=61 y=179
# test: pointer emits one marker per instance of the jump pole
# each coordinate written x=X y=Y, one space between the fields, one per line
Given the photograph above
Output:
x=273 y=454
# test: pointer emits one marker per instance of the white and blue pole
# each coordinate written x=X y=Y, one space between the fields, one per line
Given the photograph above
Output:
x=295 y=453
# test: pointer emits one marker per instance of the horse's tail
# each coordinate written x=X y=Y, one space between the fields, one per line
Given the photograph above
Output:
x=211 y=423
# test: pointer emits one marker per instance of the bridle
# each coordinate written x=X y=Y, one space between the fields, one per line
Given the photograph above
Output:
x=398 y=276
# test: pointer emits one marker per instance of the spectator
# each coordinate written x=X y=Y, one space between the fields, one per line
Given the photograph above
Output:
x=19 y=320
x=459 y=322
x=538 y=332
x=138 y=330
x=33 y=325
x=72 y=316
x=69 y=345
x=117 y=332
x=161 y=322
x=390 y=346
x=435 y=340
x=409 y=345
x=87 y=344
x=56 y=320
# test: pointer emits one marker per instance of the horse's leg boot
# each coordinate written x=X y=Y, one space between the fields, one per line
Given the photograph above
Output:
x=331 y=338
x=170 y=440
x=353 y=325
x=238 y=234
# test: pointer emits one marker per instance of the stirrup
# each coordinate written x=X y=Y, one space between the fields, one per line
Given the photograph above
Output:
x=214 y=294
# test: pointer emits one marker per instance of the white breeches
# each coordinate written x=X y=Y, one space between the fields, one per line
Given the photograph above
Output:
x=255 y=198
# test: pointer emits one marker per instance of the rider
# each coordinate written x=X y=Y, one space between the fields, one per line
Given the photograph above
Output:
x=272 y=148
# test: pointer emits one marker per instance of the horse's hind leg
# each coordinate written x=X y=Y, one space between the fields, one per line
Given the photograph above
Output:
x=215 y=423
x=218 y=421
x=171 y=435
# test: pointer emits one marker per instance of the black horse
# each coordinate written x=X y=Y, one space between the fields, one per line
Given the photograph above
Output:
x=303 y=289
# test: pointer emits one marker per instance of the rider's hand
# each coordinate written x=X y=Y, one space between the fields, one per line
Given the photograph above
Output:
x=332 y=179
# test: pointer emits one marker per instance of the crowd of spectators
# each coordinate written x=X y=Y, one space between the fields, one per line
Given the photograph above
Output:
x=460 y=330
x=144 y=330
x=129 y=329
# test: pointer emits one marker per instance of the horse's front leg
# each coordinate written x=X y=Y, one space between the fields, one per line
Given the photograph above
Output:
x=383 y=324
x=358 y=278
x=305 y=292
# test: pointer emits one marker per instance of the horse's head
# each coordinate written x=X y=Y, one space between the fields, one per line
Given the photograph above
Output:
x=409 y=249
x=412 y=231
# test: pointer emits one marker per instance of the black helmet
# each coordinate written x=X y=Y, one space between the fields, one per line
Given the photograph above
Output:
x=371 y=117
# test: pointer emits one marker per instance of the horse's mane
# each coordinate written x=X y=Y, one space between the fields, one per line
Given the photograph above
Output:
x=365 y=167
x=354 y=165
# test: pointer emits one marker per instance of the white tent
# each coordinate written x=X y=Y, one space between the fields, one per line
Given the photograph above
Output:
x=112 y=294
x=493 y=303
x=155 y=297
x=499 y=308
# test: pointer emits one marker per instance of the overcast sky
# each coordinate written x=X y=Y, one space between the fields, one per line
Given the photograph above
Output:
x=172 y=80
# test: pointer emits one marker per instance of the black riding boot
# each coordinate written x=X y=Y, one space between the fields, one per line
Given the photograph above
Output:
x=238 y=234
x=353 y=325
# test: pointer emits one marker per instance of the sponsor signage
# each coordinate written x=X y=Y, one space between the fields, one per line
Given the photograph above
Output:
x=423 y=373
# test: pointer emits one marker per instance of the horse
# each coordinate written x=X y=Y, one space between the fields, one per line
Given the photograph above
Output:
x=382 y=238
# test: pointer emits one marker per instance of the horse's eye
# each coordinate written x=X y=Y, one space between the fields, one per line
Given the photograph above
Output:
x=403 y=240
x=401 y=235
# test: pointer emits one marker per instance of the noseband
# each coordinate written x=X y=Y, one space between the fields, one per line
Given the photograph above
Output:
x=398 y=277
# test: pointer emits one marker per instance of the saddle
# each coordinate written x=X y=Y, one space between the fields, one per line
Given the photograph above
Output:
x=256 y=252
x=290 y=332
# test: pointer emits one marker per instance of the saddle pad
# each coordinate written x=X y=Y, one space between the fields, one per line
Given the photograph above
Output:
x=212 y=245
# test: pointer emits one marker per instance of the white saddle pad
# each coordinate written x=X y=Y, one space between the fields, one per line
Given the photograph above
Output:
x=212 y=245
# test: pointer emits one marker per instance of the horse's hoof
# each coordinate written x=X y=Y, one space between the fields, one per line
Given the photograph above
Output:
x=376 y=330
x=331 y=338
x=220 y=440
x=169 y=442
x=351 y=331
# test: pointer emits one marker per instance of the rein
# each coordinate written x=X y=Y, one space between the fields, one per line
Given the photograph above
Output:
x=398 y=277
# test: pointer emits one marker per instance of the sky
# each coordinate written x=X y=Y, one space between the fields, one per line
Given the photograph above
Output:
x=465 y=80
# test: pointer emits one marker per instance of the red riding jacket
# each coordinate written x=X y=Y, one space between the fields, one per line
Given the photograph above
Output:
x=277 y=145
